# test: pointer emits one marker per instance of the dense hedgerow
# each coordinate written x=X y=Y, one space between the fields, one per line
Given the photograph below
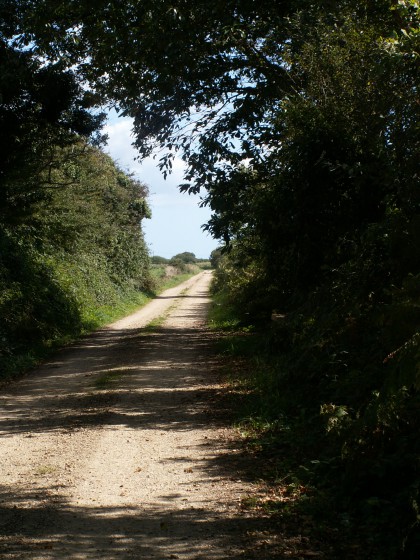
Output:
x=73 y=261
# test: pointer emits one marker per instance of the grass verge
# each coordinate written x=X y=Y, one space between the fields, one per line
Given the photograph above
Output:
x=17 y=359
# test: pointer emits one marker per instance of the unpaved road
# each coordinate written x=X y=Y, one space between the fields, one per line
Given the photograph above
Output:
x=111 y=450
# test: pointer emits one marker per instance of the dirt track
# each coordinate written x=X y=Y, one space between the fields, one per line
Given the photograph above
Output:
x=111 y=451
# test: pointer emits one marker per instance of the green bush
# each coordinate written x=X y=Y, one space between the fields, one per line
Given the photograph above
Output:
x=74 y=262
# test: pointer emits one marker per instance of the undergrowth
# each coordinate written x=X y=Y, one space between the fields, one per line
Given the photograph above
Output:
x=335 y=455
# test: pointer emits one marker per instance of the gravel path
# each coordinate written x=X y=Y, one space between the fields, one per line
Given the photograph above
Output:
x=111 y=450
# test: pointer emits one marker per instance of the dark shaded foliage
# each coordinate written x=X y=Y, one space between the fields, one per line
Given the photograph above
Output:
x=42 y=108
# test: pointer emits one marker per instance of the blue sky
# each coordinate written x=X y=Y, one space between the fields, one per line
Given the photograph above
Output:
x=176 y=221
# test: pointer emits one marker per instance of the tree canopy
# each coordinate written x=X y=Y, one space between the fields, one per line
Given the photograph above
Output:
x=298 y=122
x=208 y=81
x=43 y=107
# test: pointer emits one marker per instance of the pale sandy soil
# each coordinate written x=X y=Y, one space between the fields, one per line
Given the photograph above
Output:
x=112 y=450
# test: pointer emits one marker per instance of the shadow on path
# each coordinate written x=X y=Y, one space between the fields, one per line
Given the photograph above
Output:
x=139 y=381
x=116 y=533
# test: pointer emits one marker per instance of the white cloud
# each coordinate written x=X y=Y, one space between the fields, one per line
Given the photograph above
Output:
x=176 y=217
x=124 y=153
x=120 y=139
